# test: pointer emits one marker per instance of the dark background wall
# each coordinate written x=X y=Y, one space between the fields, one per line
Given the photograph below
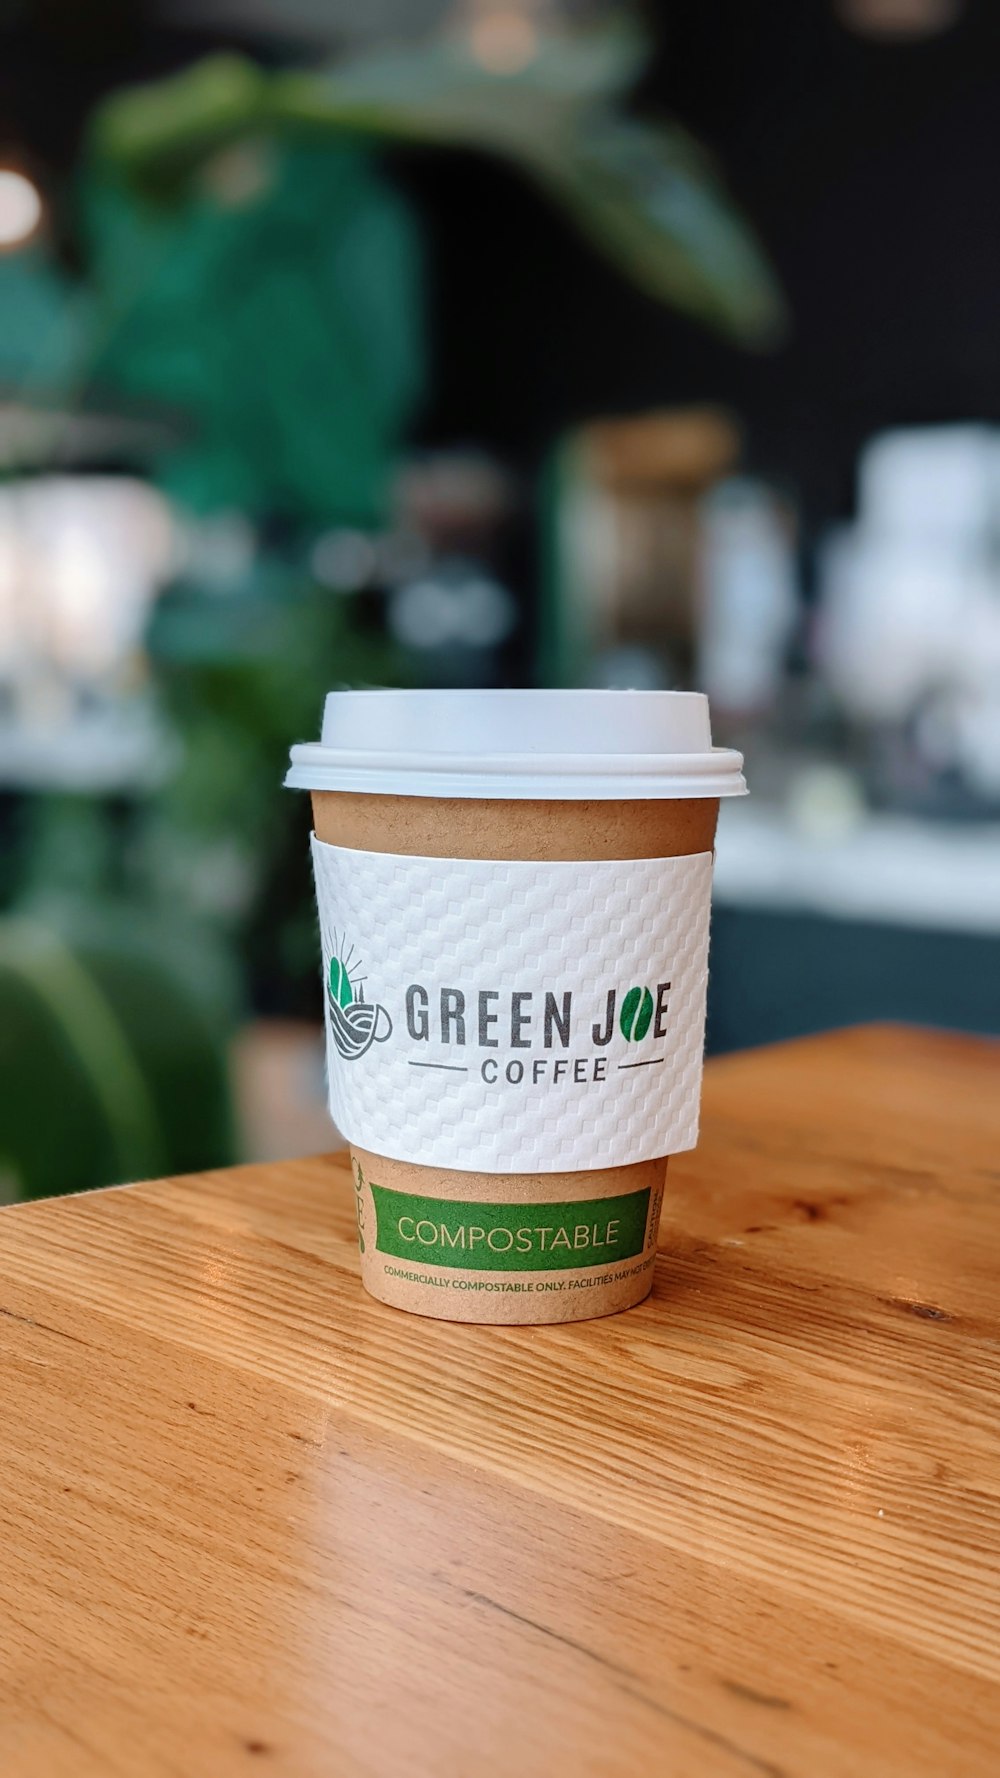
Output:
x=872 y=171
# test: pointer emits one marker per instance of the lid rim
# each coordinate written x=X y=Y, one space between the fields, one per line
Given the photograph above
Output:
x=571 y=744
x=394 y=758
x=571 y=778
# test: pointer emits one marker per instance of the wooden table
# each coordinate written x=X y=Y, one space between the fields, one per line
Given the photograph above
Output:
x=255 y=1522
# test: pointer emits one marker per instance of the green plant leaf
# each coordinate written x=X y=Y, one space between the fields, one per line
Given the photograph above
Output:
x=160 y=131
x=642 y=193
x=646 y=196
x=91 y=1030
x=305 y=417
x=112 y=1035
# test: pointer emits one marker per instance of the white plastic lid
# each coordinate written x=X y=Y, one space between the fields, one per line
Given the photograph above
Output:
x=573 y=745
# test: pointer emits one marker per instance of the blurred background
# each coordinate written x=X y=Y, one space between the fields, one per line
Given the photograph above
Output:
x=479 y=342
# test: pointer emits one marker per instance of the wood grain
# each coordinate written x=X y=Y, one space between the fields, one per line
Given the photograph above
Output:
x=253 y=1521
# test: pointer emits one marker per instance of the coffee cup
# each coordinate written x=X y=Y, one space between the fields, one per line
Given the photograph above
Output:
x=513 y=892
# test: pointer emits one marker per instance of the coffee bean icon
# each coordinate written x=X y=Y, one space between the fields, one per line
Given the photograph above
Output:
x=636 y=1014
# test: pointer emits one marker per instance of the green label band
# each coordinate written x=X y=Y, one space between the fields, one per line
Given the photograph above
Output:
x=510 y=1237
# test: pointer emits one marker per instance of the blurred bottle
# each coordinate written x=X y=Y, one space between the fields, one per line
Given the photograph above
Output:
x=908 y=636
x=624 y=498
x=453 y=567
x=749 y=597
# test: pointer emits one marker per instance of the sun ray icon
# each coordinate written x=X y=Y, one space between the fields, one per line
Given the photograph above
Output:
x=346 y=981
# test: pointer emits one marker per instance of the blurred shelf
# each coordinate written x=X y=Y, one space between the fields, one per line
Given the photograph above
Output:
x=890 y=868
x=98 y=755
x=51 y=438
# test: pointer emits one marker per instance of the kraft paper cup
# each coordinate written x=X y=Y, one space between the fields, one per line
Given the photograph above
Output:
x=528 y=877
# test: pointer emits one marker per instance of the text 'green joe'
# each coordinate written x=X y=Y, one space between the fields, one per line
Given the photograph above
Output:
x=510 y=1237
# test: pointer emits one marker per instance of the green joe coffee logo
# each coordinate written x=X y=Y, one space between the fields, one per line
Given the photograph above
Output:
x=509 y=1237
x=356 y=1023
x=636 y=1014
